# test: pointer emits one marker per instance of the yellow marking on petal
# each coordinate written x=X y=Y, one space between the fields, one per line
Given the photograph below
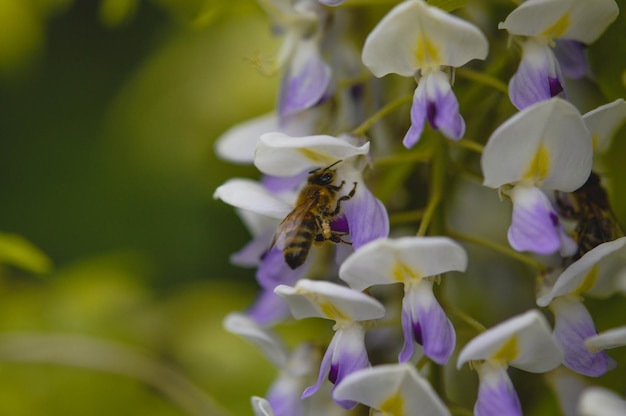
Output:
x=558 y=28
x=393 y=405
x=595 y=138
x=539 y=167
x=508 y=352
x=588 y=282
x=403 y=273
x=331 y=311
x=426 y=53
x=315 y=157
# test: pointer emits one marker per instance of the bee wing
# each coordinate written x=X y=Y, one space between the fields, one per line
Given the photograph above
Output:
x=289 y=226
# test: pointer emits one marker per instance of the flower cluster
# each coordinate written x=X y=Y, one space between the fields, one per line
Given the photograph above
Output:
x=349 y=226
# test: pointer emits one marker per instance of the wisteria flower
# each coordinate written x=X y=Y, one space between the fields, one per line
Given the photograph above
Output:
x=415 y=39
x=574 y=325
x=281 y=155
x=414 y=262
x=565 y=25
x=392 y=389
x=346 y=352
x=523 y=341
x=306 y=77
x=543 y=147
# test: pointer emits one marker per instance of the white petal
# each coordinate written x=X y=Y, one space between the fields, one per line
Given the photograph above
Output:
x=237 y=144
x=261 y=407
x=252 y=196
x=546 y=144
x=281 y=155
x=273 y=349
x=414 y=35
x=392 y=389
x=581 y=275
x=598 y=401
x=385 y=260
x=581 y=20
x=604 y=121
x=524 y=341
x=322 y=299
x=612 y=338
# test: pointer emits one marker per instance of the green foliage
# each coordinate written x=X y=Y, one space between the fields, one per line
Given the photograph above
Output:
x=16 y=251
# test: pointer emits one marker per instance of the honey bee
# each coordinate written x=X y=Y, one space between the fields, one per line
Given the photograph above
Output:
x=589 y=205
x=317 y=206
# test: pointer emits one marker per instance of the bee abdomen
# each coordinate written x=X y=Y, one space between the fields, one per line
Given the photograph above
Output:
x=296 y=251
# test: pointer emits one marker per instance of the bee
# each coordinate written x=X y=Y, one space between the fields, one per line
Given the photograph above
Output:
x=589 y=205
x=317 y=206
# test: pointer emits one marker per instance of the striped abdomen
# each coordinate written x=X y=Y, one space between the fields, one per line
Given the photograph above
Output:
x=298 y=241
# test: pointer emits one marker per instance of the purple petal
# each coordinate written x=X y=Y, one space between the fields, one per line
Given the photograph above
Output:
x=285 y=399
x=331 y=2
x=573 y=325
x=571 y=57
x=268 y=309
x=425 y=322
x=534 y=224
x=252 y=253
x=274 y=271
x=278 y=184
x=366 y=216
x=496 y=394
x=538 y=77
x=304 y=84
x=345 y=355
x=442 y=107
x=418 y=115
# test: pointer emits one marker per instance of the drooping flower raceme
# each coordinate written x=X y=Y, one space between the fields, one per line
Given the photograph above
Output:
x=392 y=389
x=414 y=262
x=346 y=352
x=573 y=323
x=565 y=25
x=545 y=146
x=524 y=342
x=415 y=39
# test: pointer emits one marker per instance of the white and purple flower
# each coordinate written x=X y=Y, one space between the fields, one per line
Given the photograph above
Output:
x=523 y=341
x=415 y=262
x=563 y=25
x=346 y=352
x=543 y=147
x=415 y=39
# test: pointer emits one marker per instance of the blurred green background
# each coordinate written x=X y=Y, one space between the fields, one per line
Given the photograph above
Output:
x=108 y=113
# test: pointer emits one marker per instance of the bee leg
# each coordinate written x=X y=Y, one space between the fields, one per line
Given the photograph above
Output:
x=336 y=188
x=336 y=238
x=343 y=198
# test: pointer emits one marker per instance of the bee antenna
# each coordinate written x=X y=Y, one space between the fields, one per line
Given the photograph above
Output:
x=326 y=168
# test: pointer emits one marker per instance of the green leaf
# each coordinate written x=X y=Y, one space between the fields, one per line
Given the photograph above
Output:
x=607 y=61
x=16 y=251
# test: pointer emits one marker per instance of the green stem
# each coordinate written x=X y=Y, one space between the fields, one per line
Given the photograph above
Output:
x=466 y=318
x=109 y=357
x=437 y=184
x=482 y=78
x=469 y=145
x=406 y=217
x=499 y=248
x=365 y=126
